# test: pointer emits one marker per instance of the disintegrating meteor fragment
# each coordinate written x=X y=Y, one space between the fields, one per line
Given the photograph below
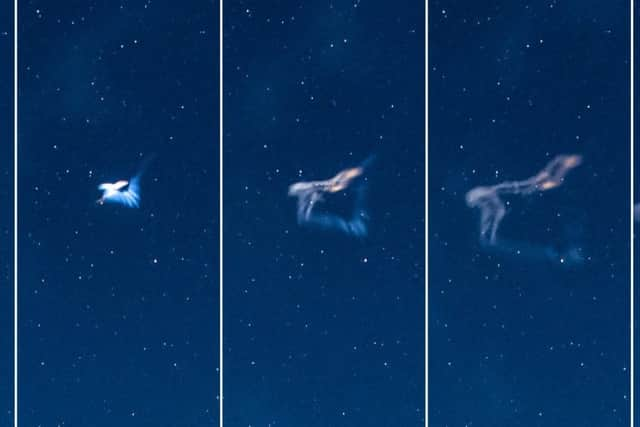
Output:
x=492 y=206
x=311 y=194
x=126 y=193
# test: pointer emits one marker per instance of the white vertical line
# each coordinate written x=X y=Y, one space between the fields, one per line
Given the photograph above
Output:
x=220 y=189
x=632 y=269
x=426 y=213
x=15 y=213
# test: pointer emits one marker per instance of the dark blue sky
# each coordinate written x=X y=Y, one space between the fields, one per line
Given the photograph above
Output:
x=517 y=341
x=323 y=329
x=6 y=213
x=118 y=306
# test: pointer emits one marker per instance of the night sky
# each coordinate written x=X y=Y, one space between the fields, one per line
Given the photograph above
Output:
x=119 y=307
x=518 y=340
x=323 y=329
x=6 y=213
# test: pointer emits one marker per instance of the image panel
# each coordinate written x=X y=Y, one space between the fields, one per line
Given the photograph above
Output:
x=118 y=261
x=6 y=212
x=529 y=216
x=324 y=214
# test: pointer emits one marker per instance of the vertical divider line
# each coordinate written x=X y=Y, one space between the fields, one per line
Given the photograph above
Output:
x=15 y=213
x=632 y=228
x=220 y=213
x=426 y=213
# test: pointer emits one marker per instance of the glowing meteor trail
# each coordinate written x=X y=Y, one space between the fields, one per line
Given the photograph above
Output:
x=126 y=193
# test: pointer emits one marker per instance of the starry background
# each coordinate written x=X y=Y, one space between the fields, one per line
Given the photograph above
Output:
x=118 y=322
x=322 y=329
x=119 y=307
x=6 y=213
x=515 y=340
